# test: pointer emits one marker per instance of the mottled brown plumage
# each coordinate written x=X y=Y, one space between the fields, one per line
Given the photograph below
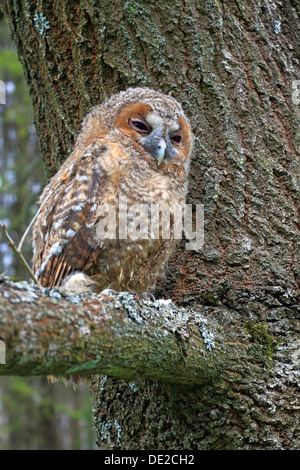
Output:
x=135 y=146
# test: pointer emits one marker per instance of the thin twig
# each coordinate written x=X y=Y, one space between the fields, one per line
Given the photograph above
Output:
x=31 y=223
x=26 y=232
x=16 y=250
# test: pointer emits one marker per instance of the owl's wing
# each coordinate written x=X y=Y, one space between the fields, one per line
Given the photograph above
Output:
x=64 y=235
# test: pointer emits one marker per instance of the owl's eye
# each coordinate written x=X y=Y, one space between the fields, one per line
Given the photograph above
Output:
x=176 y=138
x=139 y=126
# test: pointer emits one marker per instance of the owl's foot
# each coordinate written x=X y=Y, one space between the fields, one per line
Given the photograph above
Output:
x=142 y=296
x=78 y=283
x=108 y=291
x=145 y=296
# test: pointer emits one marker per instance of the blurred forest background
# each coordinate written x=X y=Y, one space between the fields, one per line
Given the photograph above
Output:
x=34 y=414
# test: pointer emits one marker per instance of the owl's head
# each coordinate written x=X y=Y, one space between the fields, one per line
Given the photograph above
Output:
x=151 y=119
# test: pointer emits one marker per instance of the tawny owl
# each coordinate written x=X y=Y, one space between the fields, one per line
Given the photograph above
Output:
x=134 y=148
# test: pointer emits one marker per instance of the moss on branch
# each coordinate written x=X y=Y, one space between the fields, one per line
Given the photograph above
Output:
x=52 y=332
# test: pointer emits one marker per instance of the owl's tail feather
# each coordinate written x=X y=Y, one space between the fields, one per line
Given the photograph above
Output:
x=74 y=379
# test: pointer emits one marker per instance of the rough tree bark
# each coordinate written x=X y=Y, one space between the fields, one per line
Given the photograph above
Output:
x=232 y=65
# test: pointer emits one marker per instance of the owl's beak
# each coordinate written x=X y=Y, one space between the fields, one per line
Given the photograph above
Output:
x=160 y=151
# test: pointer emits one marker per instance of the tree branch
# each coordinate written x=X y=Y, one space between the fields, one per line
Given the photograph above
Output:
x=50 y=332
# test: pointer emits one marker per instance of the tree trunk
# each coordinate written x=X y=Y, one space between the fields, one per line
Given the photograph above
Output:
x=233 y=65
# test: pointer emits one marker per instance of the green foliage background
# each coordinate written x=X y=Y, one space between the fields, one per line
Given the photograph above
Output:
x=33 y=413
x=21 y=171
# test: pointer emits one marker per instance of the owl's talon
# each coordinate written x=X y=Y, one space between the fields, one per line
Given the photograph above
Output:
x=145 y=296
x=108 y=291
